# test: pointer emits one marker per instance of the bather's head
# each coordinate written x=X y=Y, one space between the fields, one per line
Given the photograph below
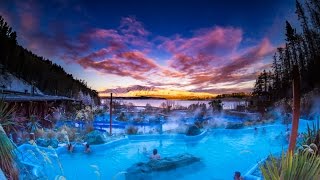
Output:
x=155 y=151
x=237 y=175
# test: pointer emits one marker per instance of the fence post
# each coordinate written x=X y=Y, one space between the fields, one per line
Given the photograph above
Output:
x=295 y=109
x=110 y=114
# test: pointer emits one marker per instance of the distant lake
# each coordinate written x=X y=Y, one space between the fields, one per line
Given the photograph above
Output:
x=227 y=104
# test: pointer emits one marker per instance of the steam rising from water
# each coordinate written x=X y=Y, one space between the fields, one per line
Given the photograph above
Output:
x=315 y=110
x=177 y=117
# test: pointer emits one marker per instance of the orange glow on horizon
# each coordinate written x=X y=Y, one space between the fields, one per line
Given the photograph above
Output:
x=164 y=93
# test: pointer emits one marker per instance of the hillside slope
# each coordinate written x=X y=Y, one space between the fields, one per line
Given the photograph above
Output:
x=10 y=82
x=50 y=78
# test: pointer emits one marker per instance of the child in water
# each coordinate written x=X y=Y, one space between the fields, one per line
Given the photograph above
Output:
x=87 y=148
x=70 y=147
x=237 y=176
x=155 y=155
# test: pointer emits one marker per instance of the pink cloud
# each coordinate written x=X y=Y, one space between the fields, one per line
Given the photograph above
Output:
x=203 y=70
x=207 y=41
x=139 y=60
x=209 y=57
x=129 y=64
x=28 y=21
x=192 y=64
x=112 y=49
x=28 y=15
x=198 y=60
x=251 y=56
x=133 y=64
x=129 y=25
x=205 y=50
x=103 y=33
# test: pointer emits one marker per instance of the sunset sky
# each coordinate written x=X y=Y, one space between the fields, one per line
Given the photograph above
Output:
x=204 y=46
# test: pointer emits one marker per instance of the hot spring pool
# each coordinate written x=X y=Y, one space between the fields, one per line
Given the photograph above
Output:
x=222 y=152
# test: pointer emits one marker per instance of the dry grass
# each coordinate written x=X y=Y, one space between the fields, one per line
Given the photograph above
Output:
x=89 y=128
x=292 y=166
x=7 y=156
x=71 y=132
x=51 y=134
x=132 y=130
x=39 y=133
x=6 y=147
x=61 y=137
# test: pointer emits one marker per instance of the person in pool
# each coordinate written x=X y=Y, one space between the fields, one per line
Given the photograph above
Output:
x=237 y=176
x=155 y=155
x=70 y=147
x=87 y=148
x=255 y=130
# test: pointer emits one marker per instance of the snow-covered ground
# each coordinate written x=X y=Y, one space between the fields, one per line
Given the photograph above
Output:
x=12 y=83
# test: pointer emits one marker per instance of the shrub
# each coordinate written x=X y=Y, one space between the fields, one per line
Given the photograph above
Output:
x=216 y=105
x=89 y=128
x=98 y=111
x=33 y=123
x=7 y=149
x=72 y=134
x=122 y=117
x=7 y=156
x=312 y=135
x=61 y=137
x=86 y=114
x=51 y=134
x=7 y=117
x=303 y=165
x=39 y=133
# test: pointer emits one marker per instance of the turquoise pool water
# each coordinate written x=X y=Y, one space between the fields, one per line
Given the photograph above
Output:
x=222 y=151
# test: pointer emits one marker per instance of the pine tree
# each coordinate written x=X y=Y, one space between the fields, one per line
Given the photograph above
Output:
x=50 y=78
x=292 y=39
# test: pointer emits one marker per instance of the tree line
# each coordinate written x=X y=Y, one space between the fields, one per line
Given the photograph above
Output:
x=49 y=77
x=233 y=95
x=301 y=49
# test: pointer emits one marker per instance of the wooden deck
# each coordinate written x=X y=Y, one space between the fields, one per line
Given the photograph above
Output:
x=33 y=98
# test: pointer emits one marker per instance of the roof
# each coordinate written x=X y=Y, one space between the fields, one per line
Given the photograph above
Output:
x=24 y=98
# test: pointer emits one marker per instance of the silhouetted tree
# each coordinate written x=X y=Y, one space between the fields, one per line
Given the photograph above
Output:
x=216 y=105
x=301 y=49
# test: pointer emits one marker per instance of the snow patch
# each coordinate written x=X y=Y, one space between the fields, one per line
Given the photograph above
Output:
x=11 y=83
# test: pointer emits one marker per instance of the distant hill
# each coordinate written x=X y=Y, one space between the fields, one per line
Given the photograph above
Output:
x=48 y=77
x=153 y=92
x=126 y=90
x=234 y=95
